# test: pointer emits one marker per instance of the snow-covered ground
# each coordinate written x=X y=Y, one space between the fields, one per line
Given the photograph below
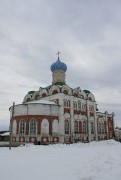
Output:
x=93 y=161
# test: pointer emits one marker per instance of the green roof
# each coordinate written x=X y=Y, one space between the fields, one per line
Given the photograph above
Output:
x=59 y=83
x=86 y=91
x=31 y=92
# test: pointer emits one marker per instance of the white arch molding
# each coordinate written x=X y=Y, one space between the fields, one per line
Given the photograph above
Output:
x=67 y=115
x=14 y=127
x=55 y=126
x=45 y=126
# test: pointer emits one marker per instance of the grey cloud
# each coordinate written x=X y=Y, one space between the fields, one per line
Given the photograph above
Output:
x=86 y=32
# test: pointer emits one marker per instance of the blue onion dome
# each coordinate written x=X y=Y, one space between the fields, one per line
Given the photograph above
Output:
x=58 y=65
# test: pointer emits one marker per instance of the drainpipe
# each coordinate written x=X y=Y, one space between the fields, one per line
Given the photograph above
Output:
x=11 y=126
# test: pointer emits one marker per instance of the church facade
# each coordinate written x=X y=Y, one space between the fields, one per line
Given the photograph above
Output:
x=60 y=114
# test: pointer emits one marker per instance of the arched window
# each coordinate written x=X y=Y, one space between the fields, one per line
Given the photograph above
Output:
x=66 y=127
x=68 y=103
x=65 y=92
x=79 y=105
x=28 y=99
x=75 y=127
x=65 y=103
x=91 y=108
x=92 y=127
x=75 y=105
x=22 y=127
x=33 y=126
x=75 y=94
x=44 y=95
x=55 y=92
x=84 y=127
x=90 y=98
x=84 y=107
x=101 y=128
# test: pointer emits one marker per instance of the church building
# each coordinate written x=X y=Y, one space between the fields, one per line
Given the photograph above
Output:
x=60 y=114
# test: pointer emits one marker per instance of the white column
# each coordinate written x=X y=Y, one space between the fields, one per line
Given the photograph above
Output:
x=61 y=119
x=72 y=116
x=88 y=121
x=106 y=119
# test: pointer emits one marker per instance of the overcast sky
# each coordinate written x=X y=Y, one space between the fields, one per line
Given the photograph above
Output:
x=88 y=34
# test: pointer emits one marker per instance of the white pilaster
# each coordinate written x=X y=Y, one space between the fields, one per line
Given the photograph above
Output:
x=106 y=119
x=61 y=119
x=72 y=116
x=88 y=121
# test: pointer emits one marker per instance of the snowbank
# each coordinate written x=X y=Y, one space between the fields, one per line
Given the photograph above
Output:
x=91 y=161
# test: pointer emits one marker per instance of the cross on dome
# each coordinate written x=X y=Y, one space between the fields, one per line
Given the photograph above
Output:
x=58 y=54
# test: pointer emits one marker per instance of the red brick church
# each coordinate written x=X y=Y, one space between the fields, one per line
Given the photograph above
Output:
x=60 y=114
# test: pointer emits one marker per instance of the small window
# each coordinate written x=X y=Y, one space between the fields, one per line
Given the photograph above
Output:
x=56 y=101
x=75 y=105
x=22 y=127
x=92 y=127
x=66 y=127
x=68 y=103
x=28 y=99
x=75 y=94
x=84 y=127
x=44 y=95
x=76 y=127
x=79 y=105
x=65 y=92
x=55 y=92
x=91 y=108
x=101 y=128
x=90 y=99
x=33 y=126
x=84 y=107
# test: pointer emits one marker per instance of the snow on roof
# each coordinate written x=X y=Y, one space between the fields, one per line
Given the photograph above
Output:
x=41 y=102
x=5 y=134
